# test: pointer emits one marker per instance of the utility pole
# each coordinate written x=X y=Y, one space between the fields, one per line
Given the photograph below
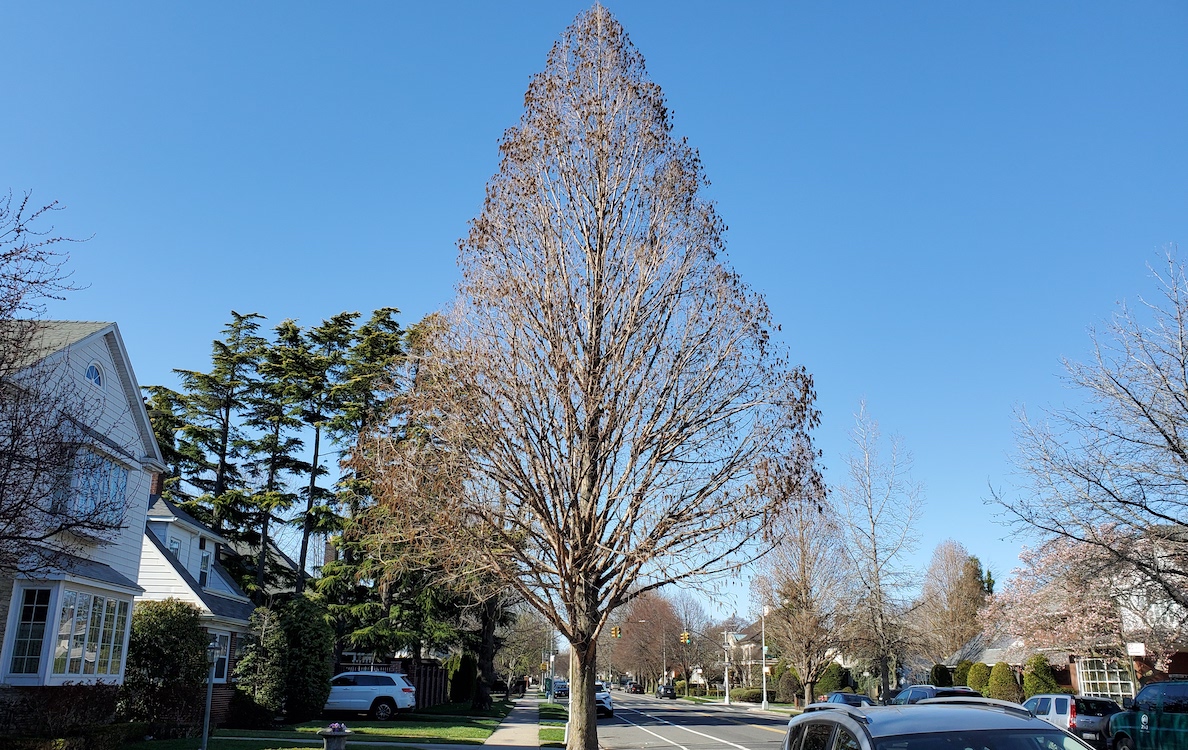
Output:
x=763 y=652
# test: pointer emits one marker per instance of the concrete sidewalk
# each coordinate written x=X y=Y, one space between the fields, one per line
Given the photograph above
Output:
x=520 y=728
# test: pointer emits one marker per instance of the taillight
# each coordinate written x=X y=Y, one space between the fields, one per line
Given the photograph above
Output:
x=1072 y=714
x=409 y=690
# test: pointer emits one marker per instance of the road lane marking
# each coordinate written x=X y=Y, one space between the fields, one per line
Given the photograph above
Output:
x=649 y=731
x=687 y=729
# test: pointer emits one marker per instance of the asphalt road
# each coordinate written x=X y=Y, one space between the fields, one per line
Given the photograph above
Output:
x=641 y=721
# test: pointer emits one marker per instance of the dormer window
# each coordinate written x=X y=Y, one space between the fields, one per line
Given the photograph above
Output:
x=95 y=374
x=204 y=570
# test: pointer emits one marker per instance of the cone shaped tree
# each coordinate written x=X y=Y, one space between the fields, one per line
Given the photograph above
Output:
x=592 y=412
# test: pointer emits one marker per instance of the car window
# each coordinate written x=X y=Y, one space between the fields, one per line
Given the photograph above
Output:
x=843 y=740
x=1148 y=698
x=1045 y=705
x=1062 y=706
x=1096 y=707
x=816 y=736
x=917 y=695
x=344 y=681
x=1175 y=699
x=794 y=735
x=1030 y=704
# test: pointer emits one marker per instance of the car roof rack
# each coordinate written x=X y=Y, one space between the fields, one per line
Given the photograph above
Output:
x=852 y=711
x=972 y=701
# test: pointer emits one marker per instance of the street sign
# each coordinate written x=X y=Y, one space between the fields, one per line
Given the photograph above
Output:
x=543 y=666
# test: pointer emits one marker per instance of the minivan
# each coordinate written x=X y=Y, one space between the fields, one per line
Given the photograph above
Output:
x=1157 y=719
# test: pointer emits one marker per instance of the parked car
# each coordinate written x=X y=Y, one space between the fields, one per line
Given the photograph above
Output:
x=560 y=689
x=1157 y=719
x=916 y=693
x=635 y=687
x=380 y=694
x=603 y=703
x=937 y=723
x=850 y=699
x=664 y=690
x=1085 y=716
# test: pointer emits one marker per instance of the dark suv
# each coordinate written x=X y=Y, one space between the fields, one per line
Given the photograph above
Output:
x=917 y=693
x=664 y=690
x=851 y=699
x=934 y=724
x=1157 y=719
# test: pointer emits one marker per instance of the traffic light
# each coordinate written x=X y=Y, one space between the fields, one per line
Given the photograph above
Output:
x=616 y=632
x=685 y=638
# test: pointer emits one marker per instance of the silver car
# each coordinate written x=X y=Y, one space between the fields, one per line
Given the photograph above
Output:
x=1085 y=716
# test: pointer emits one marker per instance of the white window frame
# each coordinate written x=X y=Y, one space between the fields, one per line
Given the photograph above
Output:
x=223 y=638
x=175 y=547
x=99 y=642
x=1105 y=678
x=100 y=373
x=105 y=480
x=13 y=628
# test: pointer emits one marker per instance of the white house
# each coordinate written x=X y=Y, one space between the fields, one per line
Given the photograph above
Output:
x=69 y=622
x=180 y=559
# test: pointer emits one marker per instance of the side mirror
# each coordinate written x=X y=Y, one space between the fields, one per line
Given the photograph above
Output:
x=1128 y=704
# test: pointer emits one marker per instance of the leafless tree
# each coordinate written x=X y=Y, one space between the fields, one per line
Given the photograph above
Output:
x=950 y=598
x=523 y=644
x=1116 y=467
x=879 y=504
x=802 y=583
x=603 y=386
x=702 y=647
x=651 y=630
x=44 y=419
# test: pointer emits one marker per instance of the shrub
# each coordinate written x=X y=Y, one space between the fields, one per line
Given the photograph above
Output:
x=1002 y=684
x=940 y=676
x=746 y=695
x=680 y=686
x=245 y=713
x=979 y=675
x=262 y=668
x=308 y=667
x=789 y=687
x=60 y=710
x=166 y=668
x=462 y=678
x=961 y=673
x=1038 y=677
x=835 y=678
x=778 y=671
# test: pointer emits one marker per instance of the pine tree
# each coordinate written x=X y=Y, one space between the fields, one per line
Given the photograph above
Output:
x=213 y=402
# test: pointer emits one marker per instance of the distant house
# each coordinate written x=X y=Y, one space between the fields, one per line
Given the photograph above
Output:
x=68 y=619
x=180 y=560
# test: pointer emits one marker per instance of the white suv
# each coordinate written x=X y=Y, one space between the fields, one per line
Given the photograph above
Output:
x=602 y=700
x=380 y=694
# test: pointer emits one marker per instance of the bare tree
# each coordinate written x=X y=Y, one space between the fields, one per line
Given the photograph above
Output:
x=879 y=505
x=802 y=582
x=702 y=646
x=951 y=596
x=651 y=630
x=604 y=384
x=1117 y=467
x=44 y=419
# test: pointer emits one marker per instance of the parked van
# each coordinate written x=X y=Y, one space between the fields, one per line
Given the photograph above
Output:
x=1085 y=716
x=1157 y=719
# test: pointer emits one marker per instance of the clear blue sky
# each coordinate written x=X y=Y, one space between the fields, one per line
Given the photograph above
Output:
x=938 y=198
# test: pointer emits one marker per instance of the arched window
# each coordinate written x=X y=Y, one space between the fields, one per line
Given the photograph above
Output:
x=95 y=374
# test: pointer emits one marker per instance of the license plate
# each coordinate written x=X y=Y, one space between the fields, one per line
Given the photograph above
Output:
x=1090 y=735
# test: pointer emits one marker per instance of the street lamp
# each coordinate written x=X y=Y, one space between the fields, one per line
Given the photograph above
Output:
x=763 y=654
x=212 y=656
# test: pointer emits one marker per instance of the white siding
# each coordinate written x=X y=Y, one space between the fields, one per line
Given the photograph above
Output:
x=159 y=580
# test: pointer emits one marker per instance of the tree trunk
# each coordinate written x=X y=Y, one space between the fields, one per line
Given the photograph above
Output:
x=884 y=689
x=486 y=655
x=583 y=717
x=309 y=503
x=808 y=692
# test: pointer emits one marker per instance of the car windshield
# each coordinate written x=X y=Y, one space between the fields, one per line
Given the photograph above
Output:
x=990 y=739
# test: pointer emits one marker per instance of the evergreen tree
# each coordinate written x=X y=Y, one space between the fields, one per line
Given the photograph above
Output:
x=1038 y=677
x=979 y=675
x=310 y=366
x=263 y=668
x=183 y=458
x=961 y=673
x=1002 y=684
x=213 y=401
x=940 y=676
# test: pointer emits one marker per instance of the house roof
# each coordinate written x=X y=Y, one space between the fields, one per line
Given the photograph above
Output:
x=220 y=606
x=80 y=567
x=49 y=336
x=162 y=509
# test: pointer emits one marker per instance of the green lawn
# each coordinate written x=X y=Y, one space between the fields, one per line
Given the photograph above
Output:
x=552 y=719
x=458 y=729
x=216 y=744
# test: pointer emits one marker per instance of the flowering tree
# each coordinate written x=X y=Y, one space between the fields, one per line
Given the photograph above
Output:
x=1059 y=597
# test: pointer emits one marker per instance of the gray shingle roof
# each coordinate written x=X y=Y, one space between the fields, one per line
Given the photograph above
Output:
x=94 y=571
x=50 y=336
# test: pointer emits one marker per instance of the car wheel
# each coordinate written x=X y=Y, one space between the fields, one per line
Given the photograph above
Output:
x=383 y=710
x=1123 y=743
